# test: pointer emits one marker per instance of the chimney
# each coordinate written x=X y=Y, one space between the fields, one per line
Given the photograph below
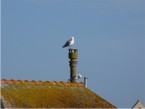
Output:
x=85 y=81
x=73 y=56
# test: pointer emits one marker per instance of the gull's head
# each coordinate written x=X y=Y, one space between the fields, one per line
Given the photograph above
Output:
x=72 y=38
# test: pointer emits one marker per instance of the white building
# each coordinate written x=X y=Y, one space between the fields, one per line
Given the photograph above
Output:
x=138 y=105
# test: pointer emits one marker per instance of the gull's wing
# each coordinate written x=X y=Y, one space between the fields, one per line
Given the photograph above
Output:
x=67 y=43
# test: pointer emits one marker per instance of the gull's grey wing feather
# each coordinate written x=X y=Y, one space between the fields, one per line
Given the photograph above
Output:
x=67 y=44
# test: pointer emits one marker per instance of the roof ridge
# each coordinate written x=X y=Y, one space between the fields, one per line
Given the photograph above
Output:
x=138 y=101
x=47 y=83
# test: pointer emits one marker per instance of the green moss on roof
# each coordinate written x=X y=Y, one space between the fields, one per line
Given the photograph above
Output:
x=36 y=96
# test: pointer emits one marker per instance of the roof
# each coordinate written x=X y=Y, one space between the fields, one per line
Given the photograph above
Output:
x=138 y=104
x=46 y=94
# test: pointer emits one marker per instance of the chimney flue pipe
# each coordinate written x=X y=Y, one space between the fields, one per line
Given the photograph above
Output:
x=85 y=81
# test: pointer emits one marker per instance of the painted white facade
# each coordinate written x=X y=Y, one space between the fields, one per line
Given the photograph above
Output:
x=138 y=105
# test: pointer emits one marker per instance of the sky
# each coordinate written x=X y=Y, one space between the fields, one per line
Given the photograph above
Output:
x=109 y=34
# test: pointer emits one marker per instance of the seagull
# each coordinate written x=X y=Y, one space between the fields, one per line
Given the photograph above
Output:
x=69 y=43
x=79 y=76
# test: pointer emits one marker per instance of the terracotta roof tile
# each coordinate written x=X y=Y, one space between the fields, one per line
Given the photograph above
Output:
x=25 y=82
x=67 y=84
x=74 y=84
x=81 y=84
x=18 y=82
x=60 y=83
x=47 y=83
x=53 y=83
x=10 y=81
x=39 y=82
x=3 y=81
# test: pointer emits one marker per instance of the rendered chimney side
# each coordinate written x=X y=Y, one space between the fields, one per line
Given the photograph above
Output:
x=73 y=56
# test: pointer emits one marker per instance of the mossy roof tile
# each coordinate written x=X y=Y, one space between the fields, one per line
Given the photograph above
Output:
x=39 y=94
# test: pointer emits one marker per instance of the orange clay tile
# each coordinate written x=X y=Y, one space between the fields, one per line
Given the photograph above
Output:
x=32 y=82
x=67 y=84
x=47 y=83
x=73 y=84
x=39 y=82
x=25 y=82
x=53 y=83
x=3 y=81
x=10 y=81
x=60 y=83
x=18 y=82
x=80 y=84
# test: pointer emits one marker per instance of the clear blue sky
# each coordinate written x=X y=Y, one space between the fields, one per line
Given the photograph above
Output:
x=110 y=36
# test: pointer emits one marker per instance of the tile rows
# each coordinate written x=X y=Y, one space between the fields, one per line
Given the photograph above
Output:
x=49 y=83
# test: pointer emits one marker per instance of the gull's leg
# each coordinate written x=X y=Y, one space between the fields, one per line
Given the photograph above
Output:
x=69 y=47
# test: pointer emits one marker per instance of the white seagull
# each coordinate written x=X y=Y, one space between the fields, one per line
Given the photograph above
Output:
x=69 y=42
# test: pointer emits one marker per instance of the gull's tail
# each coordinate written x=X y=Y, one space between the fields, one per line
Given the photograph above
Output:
x=63 y=46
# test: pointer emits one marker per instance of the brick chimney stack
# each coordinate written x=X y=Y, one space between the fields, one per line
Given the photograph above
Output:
x=73 y=56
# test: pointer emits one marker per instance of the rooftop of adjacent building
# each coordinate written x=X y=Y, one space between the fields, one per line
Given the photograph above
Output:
x=46 y=94
x=138 y=104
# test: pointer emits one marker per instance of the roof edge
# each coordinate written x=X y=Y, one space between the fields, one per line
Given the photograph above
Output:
x=138 y=101
x=40 y=83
